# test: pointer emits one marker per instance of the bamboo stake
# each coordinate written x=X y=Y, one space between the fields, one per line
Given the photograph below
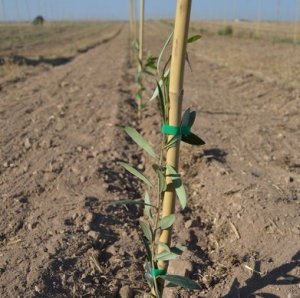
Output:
x=130 y=31
x=235 y=10
x=141 y=33
x=131 y=20
x=141 y=48
x=182 y=20
x=28 y=10
x=3 y=11
x=134 y=20
x=278 y=11
x=296 y=23
x=258 y=18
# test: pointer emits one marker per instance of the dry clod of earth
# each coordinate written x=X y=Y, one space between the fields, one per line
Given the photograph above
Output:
x=126 y=292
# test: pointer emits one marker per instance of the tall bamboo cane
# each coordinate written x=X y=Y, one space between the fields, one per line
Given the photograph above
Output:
x=130 y=30
x=141 y=49
x=3 y=11
x=258 y=18
x=182 y=20
x=134 y=20
x=296 y=23
x=278 y=11
x=131 y=20
x=141 y=32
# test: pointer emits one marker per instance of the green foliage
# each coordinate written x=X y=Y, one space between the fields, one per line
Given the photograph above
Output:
x=160 y=171
x=148 y=233
x=177 y=183
x=133 y=133
x=38 y=20
x=193 y=38
x=181 y=281
x=135 y=172
x=226 y=31
x=166 y=176
x=148 y=205
x=162 y=51
x=166 y=222
x=135 y=46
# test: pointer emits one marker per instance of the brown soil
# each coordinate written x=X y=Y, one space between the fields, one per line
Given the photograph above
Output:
x=60 y=142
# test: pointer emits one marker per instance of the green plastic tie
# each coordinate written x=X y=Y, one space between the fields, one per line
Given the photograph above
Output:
x=175 y=130
x=157 y=272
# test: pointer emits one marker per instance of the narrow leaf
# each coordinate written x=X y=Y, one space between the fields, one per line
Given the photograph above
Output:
x=178 y=250
x=138 y=96
x=148 y=267
x=166 y=73
x=172 y=142
x=147 y=205
x=181 y=281
x=147 y=248
x=192 y=118
x=149 y=279
x=192 y=139
x=156 y=91
x=151 y=62
x=161 y=177
x=186 y=117
x=136 y=137
x=135 y=45
x=169 y=254
x=177 y=183
x=146 y=230
x=166 y=221
x=194 y=38
x=163 y=49
x=165 y=246
x=170 y=285
x=135 y=172
x=165 y=256
x=148 y=70
x=162 y=101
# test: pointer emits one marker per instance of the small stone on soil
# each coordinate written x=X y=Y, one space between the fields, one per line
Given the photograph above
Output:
x=93 y=234
x=86 y=228
x=37 y=289
x=126 y=292
x=141 y=167
x=89 y=217
x=27 y=143
x=83 y=179
x=111 y=250
x=45 y=144
x=32 y=226
x=180 y=267
x=188 y=224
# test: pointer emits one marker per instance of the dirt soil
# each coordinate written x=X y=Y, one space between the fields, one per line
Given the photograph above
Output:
x=60 y=140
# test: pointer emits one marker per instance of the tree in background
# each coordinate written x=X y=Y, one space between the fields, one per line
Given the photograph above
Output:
x=38 y=20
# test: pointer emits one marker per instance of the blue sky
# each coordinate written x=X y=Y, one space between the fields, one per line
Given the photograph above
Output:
x=118 y=9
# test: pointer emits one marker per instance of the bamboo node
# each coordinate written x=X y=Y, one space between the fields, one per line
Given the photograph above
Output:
x=177 y=94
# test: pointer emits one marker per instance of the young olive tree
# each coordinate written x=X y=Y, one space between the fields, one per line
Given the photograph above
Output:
x=160 y=195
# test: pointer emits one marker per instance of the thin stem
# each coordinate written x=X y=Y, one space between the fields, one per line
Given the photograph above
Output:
x=159 y=196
